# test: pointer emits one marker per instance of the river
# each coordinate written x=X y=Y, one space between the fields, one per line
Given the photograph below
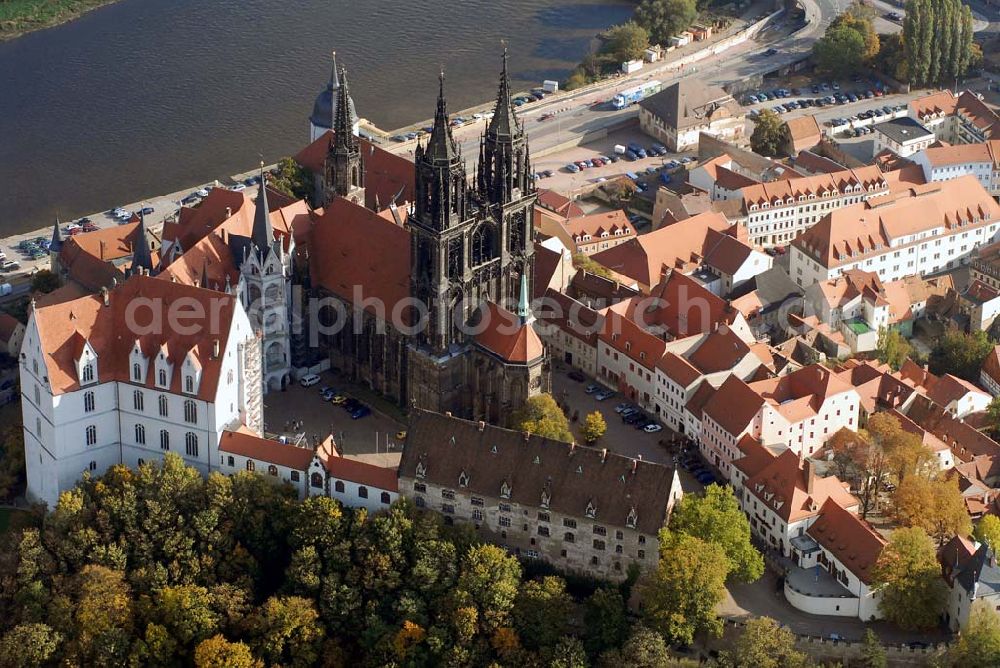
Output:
x=150 y=96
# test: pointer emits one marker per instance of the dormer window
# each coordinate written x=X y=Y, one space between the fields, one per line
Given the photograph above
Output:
x=421 y=471
x=545 y=498
x=504 y=490
x=189 y=384
x=591 y=509
x=191 y=369
x=86 y=365
x=161 y=378
x=88 y=373
x=137 y=372
x=463 y=479
x=631 y=519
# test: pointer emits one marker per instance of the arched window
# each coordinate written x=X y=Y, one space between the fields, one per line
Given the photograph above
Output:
x=386 y=499
x=455 y=253
x=250 y=465
x=272 y=469
x=316 y=480
x=38 y=395
x=230 y=461
x=339 y=486
x=162 y=378
x=190 y=412
x=91 y=434
x=140 y=434
x=482 y=244
x=163 y=405
x=137 y=401
x=137 y=372
x=93 y=466
x=88 y=373
x=142 y=462
x=88 y=402
x=189 y=384
x=164 y=439
x=362 y=491
x=191 y=444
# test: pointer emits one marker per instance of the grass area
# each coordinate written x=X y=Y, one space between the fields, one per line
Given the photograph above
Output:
x=20 y=16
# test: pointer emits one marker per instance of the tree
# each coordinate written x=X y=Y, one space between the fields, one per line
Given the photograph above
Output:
x=905 y=452
x=872 y=652
x=568 y=653
x=891 y=59
x=768 y=136
x=542 y=416
x=960 y=354
x=217 y=652
x=988 y=531
x=935 y=505
x=643 y=649
x=627 y=41
x=11 y=461
x=715 y=517
x=665 y=18
x=594 y=427
x=292 y=179
x=541 y=612
x=591 y=266
x=978 y=645
x=938 y=39
x=44 y=281
x=993 y=417
x=689 y=582
x=764 y=644
x=840 y=51
x=489 y=580
x=893 y=348
x=103 y=615
x=908 y=573
x=859 y=17
x=605 y=620
x=286 y=631
x=29 y=646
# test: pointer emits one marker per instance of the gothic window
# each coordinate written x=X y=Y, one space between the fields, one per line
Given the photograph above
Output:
x=316 y=480
x=191 y=444
x=515 y=234
x=385 y=498
x=163 y=378
x=165 y=441
x=88 y=373
x=136 y=372
x=339 y=486
x=189 y=384
x=272 y=470
x=137 y=400
x=482 y=244
x=140 y=434
x=631 y=519
x=38 y=395
x=190 y=412
x=455 y=267
x=91 y=435
x=363 y=492
x=88 y=402
x=251 y=465
x=163 y=405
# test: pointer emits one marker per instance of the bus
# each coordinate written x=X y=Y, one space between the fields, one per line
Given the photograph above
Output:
x=633 y=95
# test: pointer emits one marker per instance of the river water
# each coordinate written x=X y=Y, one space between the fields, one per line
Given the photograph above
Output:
x=150 y=96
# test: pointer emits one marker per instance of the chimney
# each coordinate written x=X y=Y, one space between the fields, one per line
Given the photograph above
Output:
x=639 y=457
x=572 y=447
x=810 y=476
x=447 y=413
x=604 y=454
x=635 y=465
x=104 y=294
x=482 y=426
x=103 y=244
x=215 y=349
x=229 y=212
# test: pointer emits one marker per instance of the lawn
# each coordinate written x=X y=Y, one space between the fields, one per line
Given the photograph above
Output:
x=20 y=16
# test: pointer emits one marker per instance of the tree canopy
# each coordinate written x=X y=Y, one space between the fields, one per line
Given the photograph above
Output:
x=764 y=644
x=665 y=18
x=840 y=51
x=541 y=415
x=893 y=348
x=978 y=645
x=627 y=41
x=594 y=427
x=960 y=354
x=768 y=135
x=936 y=505
x=908 y=572
x=988 y=531
x=938 y=40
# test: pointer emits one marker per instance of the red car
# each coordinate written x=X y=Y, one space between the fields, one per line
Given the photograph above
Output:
x=598 y=162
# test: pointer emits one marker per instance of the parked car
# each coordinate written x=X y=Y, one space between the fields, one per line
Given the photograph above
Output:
x=622 y=407
x=592 y=388
x=652 y=428
x=360 y=412
x=604 y=394
x=309 y=380
x=629 y=411
x=577 y=376
x=572 y=168
x=328 y=394
x=147 y=210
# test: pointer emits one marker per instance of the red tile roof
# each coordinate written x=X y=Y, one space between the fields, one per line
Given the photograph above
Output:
x=783 y=486
x=245 y=443
x=696 y=404
x=720 y=351
x=555 y=201
x=734 y=405
x=503 y=334
x=363 y=473
x=851 y=540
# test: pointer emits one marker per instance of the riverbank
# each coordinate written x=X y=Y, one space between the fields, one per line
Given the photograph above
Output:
x=19 y=17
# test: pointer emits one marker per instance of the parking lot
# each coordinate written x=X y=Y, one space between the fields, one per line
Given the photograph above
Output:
x=373 y=436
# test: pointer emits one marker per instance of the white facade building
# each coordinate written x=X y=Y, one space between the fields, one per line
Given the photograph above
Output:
x=981 y=160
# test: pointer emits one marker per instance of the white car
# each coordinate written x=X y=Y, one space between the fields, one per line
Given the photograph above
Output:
x=238 y=187
x=201 y=192
x=309 y=380
x=652 y=428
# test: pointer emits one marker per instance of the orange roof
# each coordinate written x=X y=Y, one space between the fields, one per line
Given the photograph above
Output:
x=194 y=223
x=352 y=247
x=721 y=350
x=388 y=176
x=787 y=191
x=978 y=112
x=64 y=327
x=680 y=245
x=680 y=306
x=554 y=201
x=783 y=486
x=342 y=468
x=948 y=388
x=991 y=365
x=678 y=369
x=942 y=103
x=504 y=335
x=624 y=335
x=754 y=456
x=801 y=394
x=942 y=156
x=734 y=405
x=850 y=539
x=606 y=224
x=571 y=316
x=702 y=395
x=803 y=129
x=245 y=443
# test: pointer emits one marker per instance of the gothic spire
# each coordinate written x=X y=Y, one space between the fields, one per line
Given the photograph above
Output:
x=441 y=146
x=262 y=234
x=343 y=122
x=56 y=243
x=504 y=121
x=523 y=305
x=141 y=255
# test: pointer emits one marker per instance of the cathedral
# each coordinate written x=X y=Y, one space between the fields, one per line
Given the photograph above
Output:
x=429 y=271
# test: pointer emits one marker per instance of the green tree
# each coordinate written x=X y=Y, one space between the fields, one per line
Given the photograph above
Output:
x=978 y=645
x=286 y=631
x=103 y=616
x=185 y=611
x=594 y=427
x=217 y=652
x=908 y=573
x=936 y=506
x=44 y=281
x=29 y=646
x=542 y=416
x=568 y=653
x=665 y=18
x=769 y=133
x=715 y=517
x=292 y=179
x=627 y=41
x=764 y=644
x=643 y=649
x=840 y=51
x=591 y=266
x=541 y=612
x=859 y=17
x=938 y=40
x=993 y=417
x=681 y=595
x=11 y=461
x=489 y=579
x=988 y=531
x=872 y=652
x=893 y=348
x=605 y=620
x=960 y=354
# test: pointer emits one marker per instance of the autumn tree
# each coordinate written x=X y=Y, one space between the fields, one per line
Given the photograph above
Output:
x=860 y=17
x=665 y=18
x=768 y=136
x=910 y=578
x=627 y=41
x=217 y=652
x=541 y=612
x=715 y=517
x=892 y=348
x=605 y=620
x=489 y=579
x=960 y=354
x=285 y=630
x=643 y=649
x=993 y=417
x=594 y=427
x=29 y=646
x=935 y=505
x=978 y=645
x=681 y=595
x=44 y=281
x=292 y=179
x=542 y=416
x=861 y=460
x=764 y=644
x=905 y=451
x=988 y=531
x=840 y=51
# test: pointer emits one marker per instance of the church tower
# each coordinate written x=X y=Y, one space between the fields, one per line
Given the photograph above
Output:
x=55 y=245
x=344 y=171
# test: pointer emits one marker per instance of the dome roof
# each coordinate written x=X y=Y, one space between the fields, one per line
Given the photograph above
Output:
x=326 y=102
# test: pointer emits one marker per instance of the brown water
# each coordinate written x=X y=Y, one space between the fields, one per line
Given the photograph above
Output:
x=150 y=96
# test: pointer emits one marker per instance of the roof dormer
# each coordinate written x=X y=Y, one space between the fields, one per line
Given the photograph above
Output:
x=163 y=368
x=86 y=364
x=191 y=372
x=138 y=364
x=632 y=518
x=591 y=509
